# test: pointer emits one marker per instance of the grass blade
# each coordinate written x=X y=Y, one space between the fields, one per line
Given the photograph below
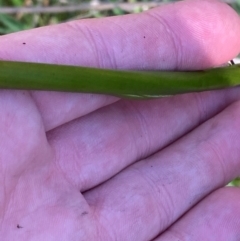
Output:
x=135 y=84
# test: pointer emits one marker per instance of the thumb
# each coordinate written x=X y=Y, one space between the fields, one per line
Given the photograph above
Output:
x=191 y=34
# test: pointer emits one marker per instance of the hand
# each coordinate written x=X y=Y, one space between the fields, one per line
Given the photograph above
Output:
x=92 y=167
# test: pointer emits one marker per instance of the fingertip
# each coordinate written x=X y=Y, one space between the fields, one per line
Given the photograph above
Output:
x=205 y=32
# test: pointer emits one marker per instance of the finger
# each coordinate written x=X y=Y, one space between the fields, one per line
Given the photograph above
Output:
x=159 y=190
x=95 y=148
x=184 y=35
x=170 y=37
x=58 y=108
x=215 y=218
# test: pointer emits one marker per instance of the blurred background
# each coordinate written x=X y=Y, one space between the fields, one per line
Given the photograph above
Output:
x=17 y=15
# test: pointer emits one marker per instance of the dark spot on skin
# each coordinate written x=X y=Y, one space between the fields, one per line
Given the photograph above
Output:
x=23 y=43
x=144 y=37
x=18 y=226
x=84 y=213
x=151 y=166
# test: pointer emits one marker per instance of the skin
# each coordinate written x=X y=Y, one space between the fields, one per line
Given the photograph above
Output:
x=92 y=167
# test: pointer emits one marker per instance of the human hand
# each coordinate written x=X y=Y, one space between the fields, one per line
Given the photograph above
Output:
x=92 y=167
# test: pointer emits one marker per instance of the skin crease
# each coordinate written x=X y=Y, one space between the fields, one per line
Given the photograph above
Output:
x=92 y=167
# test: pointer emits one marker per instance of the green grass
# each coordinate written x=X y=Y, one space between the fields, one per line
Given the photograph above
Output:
x=20 y=21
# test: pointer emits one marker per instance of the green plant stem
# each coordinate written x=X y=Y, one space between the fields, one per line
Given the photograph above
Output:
x=135 y=84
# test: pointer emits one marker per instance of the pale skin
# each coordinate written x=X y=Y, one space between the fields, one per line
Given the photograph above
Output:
x=90 y=167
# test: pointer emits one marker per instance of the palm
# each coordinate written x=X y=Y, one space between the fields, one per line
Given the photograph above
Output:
x=44 y=174
x=33 y=185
